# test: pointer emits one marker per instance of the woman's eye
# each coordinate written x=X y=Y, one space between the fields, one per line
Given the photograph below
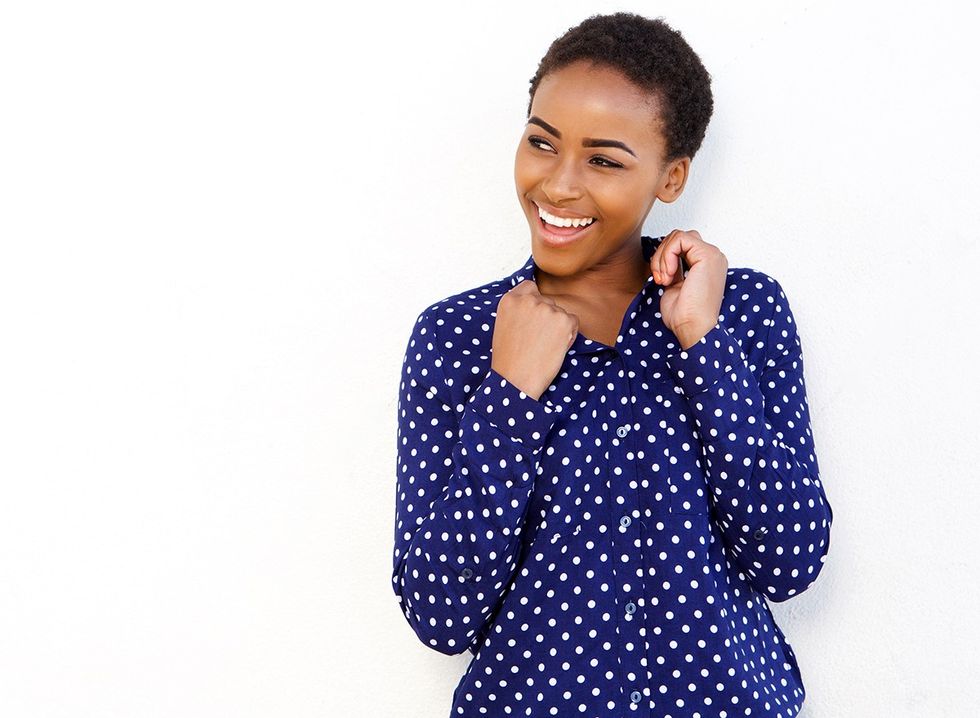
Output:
x=535 y=140
x=537 y=143
x=607 y=162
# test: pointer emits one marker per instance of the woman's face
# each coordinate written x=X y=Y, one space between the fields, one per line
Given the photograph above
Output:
x=592 y=148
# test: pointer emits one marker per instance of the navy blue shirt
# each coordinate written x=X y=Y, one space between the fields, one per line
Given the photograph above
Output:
x=609 y=548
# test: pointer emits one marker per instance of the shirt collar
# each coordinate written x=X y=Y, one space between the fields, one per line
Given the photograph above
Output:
x=647 y=244
x=582 y=345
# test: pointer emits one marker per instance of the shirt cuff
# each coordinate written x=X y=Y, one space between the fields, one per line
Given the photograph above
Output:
x=509 y=409
x=712 y=357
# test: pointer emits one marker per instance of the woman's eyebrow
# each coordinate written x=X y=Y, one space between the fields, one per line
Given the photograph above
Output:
x=586 y=142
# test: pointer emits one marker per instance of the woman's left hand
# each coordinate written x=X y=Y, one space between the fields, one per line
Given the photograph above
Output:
x=689 y=305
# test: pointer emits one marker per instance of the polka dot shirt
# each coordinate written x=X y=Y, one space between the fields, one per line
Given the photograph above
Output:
x=609 y=548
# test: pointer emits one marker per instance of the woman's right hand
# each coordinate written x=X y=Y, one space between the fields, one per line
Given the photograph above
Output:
x=531 y=336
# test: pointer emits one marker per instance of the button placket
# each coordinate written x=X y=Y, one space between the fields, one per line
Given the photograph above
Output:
x=629 y=567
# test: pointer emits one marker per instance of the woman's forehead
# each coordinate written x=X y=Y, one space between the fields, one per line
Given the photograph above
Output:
x=581 y=103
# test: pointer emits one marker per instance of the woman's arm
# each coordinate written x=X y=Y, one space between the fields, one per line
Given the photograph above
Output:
x=464 y=477
x=761 y=464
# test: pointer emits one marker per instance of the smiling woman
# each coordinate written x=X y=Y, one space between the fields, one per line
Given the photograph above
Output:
x=561 y=175
x=605 y=463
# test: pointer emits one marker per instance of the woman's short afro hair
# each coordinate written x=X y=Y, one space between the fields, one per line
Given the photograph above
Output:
x=656 y=58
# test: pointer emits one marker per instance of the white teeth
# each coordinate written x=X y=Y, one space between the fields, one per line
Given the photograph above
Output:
x=564 y=222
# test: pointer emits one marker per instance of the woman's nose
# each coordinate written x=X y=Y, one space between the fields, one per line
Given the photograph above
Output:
x=562 y=183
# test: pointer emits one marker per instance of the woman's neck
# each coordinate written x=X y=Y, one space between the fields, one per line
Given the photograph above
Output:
x=606 y=281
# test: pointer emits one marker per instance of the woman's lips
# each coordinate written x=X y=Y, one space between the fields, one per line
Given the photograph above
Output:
x=561 y=236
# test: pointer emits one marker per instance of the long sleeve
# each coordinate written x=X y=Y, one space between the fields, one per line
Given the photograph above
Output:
x=761 y=463
x=464 y=477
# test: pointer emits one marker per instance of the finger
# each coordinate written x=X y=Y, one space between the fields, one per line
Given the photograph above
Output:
x=574 y=331
x=655 y=260
x=536 y=291
x=664 y=255
x=676 y=258
x=686 y=248
x=673 y=260
x=526 y=286
x=667 y=259
x=663 y=251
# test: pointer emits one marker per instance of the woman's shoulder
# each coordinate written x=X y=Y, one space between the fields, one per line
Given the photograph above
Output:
x=752 y=282
x=469 y=313
x=750 y=292
x=755 y=310
x=456 y=333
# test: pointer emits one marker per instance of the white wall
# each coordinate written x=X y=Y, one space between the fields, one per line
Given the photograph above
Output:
x=218 y=222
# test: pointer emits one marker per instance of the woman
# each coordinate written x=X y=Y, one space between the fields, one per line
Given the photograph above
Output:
x=605 y=464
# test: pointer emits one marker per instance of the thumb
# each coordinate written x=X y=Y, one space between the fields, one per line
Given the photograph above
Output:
x=526 y=286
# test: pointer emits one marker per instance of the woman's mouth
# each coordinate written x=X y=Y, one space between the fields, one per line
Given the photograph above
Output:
x=559 y=236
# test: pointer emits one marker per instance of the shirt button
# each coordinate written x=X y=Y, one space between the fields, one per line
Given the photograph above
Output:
x=760 y=533
x=622 y=431
x=625 y=521
x=630 y=607
x=635 y=696
x=467 y=572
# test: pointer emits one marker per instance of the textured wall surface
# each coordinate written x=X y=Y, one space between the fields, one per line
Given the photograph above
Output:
x=219 y=221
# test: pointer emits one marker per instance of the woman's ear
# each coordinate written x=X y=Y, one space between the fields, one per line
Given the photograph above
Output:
x=677 y=174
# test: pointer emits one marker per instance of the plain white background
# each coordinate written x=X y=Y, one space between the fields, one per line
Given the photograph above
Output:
x=219 y=221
